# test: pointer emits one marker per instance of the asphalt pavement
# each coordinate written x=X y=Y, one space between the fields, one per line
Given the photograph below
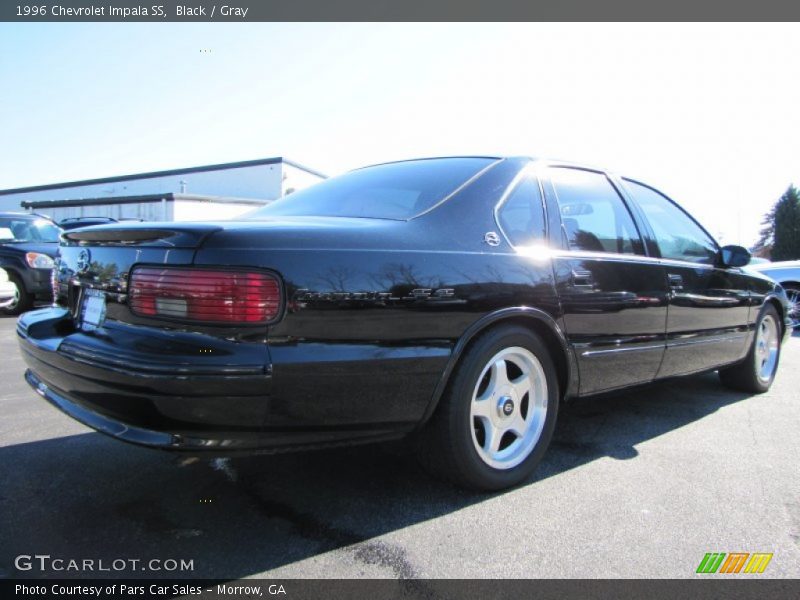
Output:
x=640 y=484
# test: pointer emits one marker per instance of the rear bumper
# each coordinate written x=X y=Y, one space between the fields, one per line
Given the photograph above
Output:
x=148 y=387
x=152 y=388
x=103 y=424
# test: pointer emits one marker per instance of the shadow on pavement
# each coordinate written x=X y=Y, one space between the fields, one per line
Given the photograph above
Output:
x=87 y=496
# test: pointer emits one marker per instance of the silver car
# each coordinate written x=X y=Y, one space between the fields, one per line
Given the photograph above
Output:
x=787 y=273
x=8 y=290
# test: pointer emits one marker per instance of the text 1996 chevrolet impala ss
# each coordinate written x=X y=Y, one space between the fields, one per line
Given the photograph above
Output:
x=456 y=299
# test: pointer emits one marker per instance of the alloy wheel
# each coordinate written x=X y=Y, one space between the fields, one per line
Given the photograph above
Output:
x=508 y=408
x=766 y=353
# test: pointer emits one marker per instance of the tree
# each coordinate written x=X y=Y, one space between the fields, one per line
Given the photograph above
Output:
x=766 y=237
x=781 y=228
x=787 y=226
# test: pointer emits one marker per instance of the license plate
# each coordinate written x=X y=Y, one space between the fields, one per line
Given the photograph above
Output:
x=94 y=309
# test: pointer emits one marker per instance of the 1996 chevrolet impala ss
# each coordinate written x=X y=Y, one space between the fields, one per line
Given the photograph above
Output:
x=459 y=300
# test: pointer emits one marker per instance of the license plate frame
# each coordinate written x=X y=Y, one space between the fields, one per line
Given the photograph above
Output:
x=93 y=309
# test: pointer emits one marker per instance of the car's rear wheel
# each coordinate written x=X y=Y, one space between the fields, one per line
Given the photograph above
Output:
x=496 y=418
x=757 y=372
x=22 y=299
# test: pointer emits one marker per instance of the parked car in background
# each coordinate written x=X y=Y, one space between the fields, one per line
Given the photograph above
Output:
x=28 y=247
x=8 y=290
x=787 y=273
x=458 y=301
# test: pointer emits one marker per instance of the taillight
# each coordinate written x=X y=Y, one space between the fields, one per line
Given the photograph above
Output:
x=204 y=295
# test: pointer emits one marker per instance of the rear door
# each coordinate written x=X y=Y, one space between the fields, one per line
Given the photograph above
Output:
x=613 y=295
x=708 y=306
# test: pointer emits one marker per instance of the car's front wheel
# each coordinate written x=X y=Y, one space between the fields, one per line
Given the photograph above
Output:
x=497 y=416
x=756 y=373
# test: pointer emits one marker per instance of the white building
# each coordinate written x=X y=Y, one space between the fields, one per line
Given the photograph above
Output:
x=197 y=193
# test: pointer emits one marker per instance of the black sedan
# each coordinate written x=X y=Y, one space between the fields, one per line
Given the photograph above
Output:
x=457 y=301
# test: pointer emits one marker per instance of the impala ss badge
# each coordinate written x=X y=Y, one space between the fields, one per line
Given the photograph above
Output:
x=83 y=260
x=491 y=238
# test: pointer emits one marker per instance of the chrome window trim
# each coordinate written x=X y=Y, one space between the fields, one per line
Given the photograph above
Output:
x=612 y=256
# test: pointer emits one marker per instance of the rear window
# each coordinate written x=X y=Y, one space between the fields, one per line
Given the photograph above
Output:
x=398 y=191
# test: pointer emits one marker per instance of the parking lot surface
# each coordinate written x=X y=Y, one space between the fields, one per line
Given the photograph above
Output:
x=640 y=484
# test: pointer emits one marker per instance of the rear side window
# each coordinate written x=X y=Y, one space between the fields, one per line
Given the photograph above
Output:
x=677 y=235
x=594 y=218
x=521 y=215
x=399 y=190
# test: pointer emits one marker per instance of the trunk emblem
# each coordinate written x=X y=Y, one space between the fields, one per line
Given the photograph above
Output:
x=83 y=260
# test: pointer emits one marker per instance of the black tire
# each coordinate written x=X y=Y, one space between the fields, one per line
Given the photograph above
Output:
x=748 y=376
x=24 y=299
x=447 y=445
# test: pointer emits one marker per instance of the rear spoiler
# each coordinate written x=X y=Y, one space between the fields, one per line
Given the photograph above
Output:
x=150 y=234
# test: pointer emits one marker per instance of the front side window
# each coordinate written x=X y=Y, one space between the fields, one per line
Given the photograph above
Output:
x=594 y=218
x=399 y=190
x=521 y=215
x=677 y=235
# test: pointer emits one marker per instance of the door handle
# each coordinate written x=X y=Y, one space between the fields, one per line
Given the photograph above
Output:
x=675 y=281
x=582 y=278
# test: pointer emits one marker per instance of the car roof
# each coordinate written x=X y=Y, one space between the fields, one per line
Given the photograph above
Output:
x=545 y=161
x=420 y=158
x=24 y=215
x=75 y=219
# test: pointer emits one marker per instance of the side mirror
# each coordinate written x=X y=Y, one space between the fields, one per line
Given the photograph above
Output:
x=734 y=256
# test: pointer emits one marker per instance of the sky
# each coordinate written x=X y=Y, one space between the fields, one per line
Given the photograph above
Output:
x=707 y=113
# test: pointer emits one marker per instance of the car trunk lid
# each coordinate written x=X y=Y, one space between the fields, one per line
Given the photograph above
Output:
x=98 y=260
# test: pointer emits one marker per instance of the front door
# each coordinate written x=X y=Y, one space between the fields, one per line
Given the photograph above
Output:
x=708 y=306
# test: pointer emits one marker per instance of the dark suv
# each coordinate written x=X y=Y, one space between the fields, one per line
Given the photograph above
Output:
x=28 y=245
